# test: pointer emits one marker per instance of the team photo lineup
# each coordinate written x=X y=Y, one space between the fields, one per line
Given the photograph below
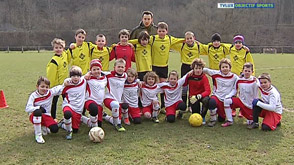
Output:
x=94 y=92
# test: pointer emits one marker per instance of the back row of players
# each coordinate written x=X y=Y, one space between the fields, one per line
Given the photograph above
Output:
x=151 y=54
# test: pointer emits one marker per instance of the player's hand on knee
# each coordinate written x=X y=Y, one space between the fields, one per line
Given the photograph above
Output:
x=193 y=99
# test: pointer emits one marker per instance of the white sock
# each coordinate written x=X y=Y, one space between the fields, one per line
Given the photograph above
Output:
x=86 y=120
x=109 y=119
x=213 y=115
x=228 y=112
x=37 y=125
x=94 y=121
x=125 y=113
x=115 y=114
x=155 y=113
x=68 y=125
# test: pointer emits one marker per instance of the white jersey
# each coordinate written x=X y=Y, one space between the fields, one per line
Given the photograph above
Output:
x=130 y=94
x=172 y=94
x=271 y=100
x=222 y=84
x=115 y=86
x=74 y=95
x=36 y=100
x=248 y=90
x=96 y=91
x=149 y=94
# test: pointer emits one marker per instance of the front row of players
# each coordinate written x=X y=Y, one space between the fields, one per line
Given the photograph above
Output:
x=121 y=97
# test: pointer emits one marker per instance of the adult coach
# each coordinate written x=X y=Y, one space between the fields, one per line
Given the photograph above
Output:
x=145 y=24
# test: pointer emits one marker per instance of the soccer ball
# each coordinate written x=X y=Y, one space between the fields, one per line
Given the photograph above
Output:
x=96 y=134
x=195 y=120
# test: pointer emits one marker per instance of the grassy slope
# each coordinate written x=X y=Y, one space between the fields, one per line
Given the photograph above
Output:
x=176 y=143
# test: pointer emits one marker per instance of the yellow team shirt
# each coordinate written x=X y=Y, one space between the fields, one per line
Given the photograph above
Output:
x=188 y=53
x=160 y=49
x=57 y=69
x=80 y=56
x=215 y=55
x=143 y=58
x=102 y=55
x=239 y=58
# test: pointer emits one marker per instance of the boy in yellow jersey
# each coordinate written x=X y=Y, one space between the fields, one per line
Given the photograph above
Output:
x=79 y=53
x=160 y=47
x=189 y=51
x=101 y=52
x=239 y=55
x=57 y=69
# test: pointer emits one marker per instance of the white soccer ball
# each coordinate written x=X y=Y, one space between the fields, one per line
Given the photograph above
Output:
x=96 y=134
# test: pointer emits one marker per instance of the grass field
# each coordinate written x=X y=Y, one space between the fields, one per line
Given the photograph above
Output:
x=147 y=143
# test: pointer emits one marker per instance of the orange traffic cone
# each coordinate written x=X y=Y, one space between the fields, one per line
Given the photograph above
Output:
x=3 y=103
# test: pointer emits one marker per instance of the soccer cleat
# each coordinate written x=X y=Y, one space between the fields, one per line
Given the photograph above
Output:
x=120 y=128
x=45 y=130
x=227 y=123
x=180 y=115
x=39 y=139
x=211 y=123
x=60 y=123
x=69 y=136
x=155 y=119
x=127 y=121
x=253 y=125
x=240 y=114
x=234 y=113
x=104 y=115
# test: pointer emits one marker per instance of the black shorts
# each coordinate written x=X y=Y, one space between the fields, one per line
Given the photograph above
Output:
x=162 y=72
x=141 y=75
x=185 y=68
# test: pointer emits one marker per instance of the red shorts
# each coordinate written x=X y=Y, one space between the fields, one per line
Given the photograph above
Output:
x=75 y=118
x=100 y=108
x=171 y=110
x=220 y=107
x=47 y=121
x=246 y=112
x=148 y=109
x=134 y=112
x=270 y=118
x=107 y=102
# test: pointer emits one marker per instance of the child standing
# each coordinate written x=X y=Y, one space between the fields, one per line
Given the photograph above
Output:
x=199 y=88
x=101 y=51
x=223 y=83
x=57 y=69
x=269 y=107
x=95 y=95
x=123 y=50
x=115 y=87
x=148 y=95
x=248 y=91
x=39 y=107
x=173 y=95
x=73 y=104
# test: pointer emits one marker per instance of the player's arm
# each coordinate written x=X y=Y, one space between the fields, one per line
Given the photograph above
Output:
x=203 y=49
x=51 y=72
x=271 y=106
x=69 y=55
x=134 y=41
x=112 y=54
x=207 y=89
x=175 y=40
x=57 y=90
x=30 y=105
x=250 y=59
x=227 y=47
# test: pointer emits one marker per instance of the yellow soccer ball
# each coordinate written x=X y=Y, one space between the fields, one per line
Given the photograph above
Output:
x=195 y=120
x=96 y=134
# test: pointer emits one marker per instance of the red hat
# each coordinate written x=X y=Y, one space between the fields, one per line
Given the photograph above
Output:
x=239 y=38
x=95 y=62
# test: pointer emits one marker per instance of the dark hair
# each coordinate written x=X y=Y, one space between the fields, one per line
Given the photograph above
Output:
x=143 y=35
x=162 y=25
x=248 y=65
x=147 y=13
x=43 y=79
x=82 y=31
x=124 y=32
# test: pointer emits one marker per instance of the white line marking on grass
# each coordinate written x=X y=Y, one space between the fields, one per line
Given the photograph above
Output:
x=279 y=67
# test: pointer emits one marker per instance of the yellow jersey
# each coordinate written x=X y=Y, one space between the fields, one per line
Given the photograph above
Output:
x=102 y=55
x=188 y=53
x=143 y=58
x=239 y=58
x=215 y=55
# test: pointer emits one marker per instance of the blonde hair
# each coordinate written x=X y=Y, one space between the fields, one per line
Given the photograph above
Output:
x=75 y=70
x=120 y=61
x=133 y=72
x=265 y=76
x=189 y=33
x=225 y=61
x=173 y=73
x=162 y=25
x=58 y=41
x=82 y=31
x=151 y=74
x=124 y=32
x=198 y=62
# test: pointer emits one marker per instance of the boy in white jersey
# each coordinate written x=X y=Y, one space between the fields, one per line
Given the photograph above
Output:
x=73 y=104
x=39 y=108
x=269 y=107
x=115 y=87
x=223 y=83
x=95 y=95
x=148 y=96
x=248 y=90
x=172 y=90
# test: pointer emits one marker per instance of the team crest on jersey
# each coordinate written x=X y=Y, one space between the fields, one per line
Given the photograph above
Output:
x=215 y=56
x=235 y=58
x=162 y=47
x=101 y=58
x=82 y=56
x=144 y=52
x=64 y=64
x=190 y=54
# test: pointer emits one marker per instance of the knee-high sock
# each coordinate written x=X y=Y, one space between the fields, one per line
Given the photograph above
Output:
x=213 y=114
x=37 y=125
x=115 y=115
x=228 y=112
x=155 y=110
x=109 y=119
x=67 y=125
x=86 y=120
x=94 y=121
x=125 y=113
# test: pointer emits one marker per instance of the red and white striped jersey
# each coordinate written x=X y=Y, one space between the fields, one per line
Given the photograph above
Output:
x=36 y=100
x=74 y=95
x=271 y=100
x=96 y=90
x=149 y=94
x=172 y=94
x=222 y=84
x=130 y=94
x=115 y=86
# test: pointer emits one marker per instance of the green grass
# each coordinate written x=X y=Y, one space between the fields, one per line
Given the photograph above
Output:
x=147 y=143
